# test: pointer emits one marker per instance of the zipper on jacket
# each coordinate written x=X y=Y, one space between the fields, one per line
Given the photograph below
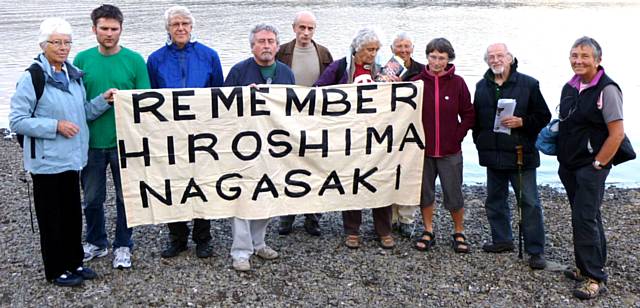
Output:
x=437 y=113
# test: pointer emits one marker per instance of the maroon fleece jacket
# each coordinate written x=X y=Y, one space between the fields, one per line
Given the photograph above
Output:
x=445 y=98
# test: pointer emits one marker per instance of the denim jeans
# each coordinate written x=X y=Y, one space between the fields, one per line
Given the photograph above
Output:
x=499 y=213
x=94 y=181
x=585 y=190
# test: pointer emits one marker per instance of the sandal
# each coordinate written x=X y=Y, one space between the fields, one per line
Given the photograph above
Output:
x=460 y=246
x=573 y=274
x=352 y=241
x=426 y=243
x=387 y=242
x=589 y=289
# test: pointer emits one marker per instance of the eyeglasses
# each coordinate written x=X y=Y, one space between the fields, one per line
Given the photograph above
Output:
x=177 y=25
x=496 y=57
x=435 y=58
x=59 y=43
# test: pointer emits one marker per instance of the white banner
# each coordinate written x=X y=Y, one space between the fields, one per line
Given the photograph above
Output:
x=269 y=150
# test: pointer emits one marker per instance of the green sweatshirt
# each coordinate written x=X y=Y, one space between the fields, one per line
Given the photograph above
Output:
x=125 y=70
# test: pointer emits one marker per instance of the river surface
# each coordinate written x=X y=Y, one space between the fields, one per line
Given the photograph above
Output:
x=539 y=33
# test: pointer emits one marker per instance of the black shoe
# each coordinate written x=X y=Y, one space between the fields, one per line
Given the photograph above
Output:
x=498 y=247
x=285 y=228
x=312 y=227
x=173 y=250
x=537 y=262
x=574 y=274
x=405 y=230
x=85 y=272
x=68 y=279
x=203 y=250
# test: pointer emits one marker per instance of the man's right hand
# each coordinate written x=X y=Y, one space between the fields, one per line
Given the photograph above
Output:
x=67 y=129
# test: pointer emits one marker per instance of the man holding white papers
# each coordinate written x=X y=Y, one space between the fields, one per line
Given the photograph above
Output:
x=497 y=151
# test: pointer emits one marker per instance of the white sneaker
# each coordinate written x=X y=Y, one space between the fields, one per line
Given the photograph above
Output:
x=92 y=251
x=241 y=265
x=122 y=258
x=267 y=253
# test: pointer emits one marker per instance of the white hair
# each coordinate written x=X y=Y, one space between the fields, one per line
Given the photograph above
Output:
x=363 y=37
x=178 y=10
x=50 y=26
x=401 y=36
x=304 y=13
x=263 y=27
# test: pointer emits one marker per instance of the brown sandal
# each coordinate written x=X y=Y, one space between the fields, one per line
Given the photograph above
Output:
x=387 y=242
x=589 y=289
x=352 y=241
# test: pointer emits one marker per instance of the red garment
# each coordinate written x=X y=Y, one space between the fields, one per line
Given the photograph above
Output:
x=361 y=70
x=444 y=99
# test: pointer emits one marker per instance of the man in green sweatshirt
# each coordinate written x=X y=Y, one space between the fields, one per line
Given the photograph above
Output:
x=105 y=66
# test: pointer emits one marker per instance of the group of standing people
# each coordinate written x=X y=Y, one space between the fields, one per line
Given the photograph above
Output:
x=73 y=139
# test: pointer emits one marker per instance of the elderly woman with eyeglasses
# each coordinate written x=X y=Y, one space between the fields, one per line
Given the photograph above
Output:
x=55 y=149
x=185 y=63
x=360 y=67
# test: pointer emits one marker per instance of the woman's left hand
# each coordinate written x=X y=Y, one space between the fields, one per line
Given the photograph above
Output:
x=108 y=95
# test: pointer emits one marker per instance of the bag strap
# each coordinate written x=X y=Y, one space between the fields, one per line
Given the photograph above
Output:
x=37 y=79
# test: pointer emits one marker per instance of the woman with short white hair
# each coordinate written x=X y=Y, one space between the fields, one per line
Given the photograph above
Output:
x=55 y=148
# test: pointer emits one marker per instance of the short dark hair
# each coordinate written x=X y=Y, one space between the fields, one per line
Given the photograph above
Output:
x=106 y=11
x=441 y=44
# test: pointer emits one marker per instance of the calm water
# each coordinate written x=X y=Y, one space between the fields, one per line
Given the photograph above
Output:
x=539 y=33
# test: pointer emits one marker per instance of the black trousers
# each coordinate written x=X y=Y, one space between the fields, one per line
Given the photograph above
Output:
x=59 y=213
x=179 y=231
x=289 y=219
x=585 y=190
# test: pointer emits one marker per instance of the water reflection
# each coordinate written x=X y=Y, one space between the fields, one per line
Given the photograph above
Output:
x=539 y=33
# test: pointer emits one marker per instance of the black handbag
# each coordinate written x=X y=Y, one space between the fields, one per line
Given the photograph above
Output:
x=625 y=152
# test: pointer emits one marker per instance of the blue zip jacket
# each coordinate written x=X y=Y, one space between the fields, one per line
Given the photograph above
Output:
x=54 y=152
x=194 y=66
x=247 y=72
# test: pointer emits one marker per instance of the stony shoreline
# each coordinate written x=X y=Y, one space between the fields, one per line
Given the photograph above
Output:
x=320 y=271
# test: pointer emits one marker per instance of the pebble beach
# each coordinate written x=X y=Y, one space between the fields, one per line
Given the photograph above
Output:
x=321 y=271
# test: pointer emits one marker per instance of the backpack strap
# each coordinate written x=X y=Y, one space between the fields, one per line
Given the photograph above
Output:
x=37 y=78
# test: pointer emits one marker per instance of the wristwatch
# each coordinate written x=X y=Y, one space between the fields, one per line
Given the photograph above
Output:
x=597 y=165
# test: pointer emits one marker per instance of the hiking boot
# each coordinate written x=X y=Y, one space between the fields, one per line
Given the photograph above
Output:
x=92 y=251
x=203 y=250
x=267 y=253
x=122 y=258
x=173 y=249
x=312 y=227
x=86 y=273
x=68 y=279
x=285 y=228
x=537 y=262
x=241 y=265
x=498 y=247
